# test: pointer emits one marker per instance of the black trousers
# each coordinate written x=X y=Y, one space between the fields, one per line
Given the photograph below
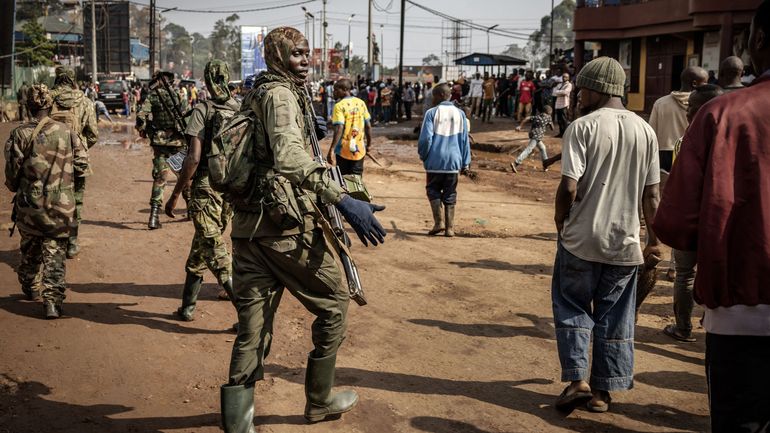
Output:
x=348 y=166
x=561 y=119
x=408 y=110
x=738 y=377
x=442 y=186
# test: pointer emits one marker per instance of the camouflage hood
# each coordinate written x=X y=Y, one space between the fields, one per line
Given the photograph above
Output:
x=39 y=97
x=217 y=75
x=279 y=44
x=66 y=97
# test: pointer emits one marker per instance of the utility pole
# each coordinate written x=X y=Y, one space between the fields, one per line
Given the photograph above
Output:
x=323 y=53
x=192 y=62
x=382 y=50
x=488 y=30
x=152 y=38
x=93 y=41
x=348 y=50
x=550 y=55
x=312 y=37
x=369 y=55
x=401 y=50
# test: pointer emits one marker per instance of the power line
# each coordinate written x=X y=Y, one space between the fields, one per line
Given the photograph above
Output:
x=471 y=24
x=240 y=11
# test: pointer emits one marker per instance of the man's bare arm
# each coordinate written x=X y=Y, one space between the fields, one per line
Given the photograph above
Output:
x=189 y=166
x=565 y=196
x=650 y=201
x=338 y=129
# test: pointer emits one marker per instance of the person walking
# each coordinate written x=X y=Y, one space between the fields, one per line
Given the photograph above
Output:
x=669 y=120
x=536 y=134
x=490 y=88
x=562 y=92
x=208 y=211
x=386 y=101
x=475 y=93
x=43 y=155
x=73 y=108
x=270 y=255
x=684 y=260
x=715 y=204
x=445 y=151
x=409 y=99
x=609 y=167
x=21 y=100
x=352 y=131
x=526 y=95
x=156 y=122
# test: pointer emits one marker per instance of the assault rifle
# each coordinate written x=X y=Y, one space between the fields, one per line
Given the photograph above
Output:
x=333 y=215
x=172 y=108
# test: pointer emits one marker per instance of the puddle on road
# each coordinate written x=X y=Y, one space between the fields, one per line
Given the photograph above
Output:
x=121 y=134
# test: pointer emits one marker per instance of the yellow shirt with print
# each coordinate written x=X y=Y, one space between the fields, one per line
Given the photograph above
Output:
x=351 y=112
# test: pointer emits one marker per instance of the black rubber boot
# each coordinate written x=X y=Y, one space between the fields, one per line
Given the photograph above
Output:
x=438 y=217
x=192 y=287
x=154 y=222
x=450 y=220
x=237 y=405
x=319 y=380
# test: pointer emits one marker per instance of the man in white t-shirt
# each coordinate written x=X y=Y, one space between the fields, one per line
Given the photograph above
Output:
x=475 y=93
x=609 y=166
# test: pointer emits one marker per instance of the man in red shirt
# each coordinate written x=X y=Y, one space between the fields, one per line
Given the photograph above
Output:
x=716 y=202
x=526 y=92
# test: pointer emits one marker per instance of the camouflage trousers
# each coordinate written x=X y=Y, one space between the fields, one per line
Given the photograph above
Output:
x=43 y=266
x=210 y=216
x=305 y=265
x=161 y=171
x=79 y=190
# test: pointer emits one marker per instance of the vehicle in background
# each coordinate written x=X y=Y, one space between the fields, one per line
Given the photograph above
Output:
x=111 y=93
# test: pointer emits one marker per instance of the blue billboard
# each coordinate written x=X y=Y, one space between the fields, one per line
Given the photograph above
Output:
x=252 y=50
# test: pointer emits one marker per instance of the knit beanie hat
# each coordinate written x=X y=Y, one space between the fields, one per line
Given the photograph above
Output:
x=603 y=75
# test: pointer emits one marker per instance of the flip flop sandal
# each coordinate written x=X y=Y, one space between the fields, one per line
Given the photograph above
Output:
x=567 y=403
x=599 y=408
x=674 y=333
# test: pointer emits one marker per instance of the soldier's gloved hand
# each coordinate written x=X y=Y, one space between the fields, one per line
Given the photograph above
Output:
x=321 y=130
x=360 y=215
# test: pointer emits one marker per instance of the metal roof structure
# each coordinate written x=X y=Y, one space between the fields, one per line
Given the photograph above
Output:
x=482 y=59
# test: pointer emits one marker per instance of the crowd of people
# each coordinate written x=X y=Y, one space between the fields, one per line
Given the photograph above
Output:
x=695 y=175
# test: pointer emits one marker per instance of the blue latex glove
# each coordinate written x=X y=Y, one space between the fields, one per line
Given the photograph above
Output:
x=360 y=215
x=321 y=130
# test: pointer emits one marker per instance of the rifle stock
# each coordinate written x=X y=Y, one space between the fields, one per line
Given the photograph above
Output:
x=355 y=289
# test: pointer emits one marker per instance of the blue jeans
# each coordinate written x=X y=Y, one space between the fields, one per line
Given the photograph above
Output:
x=530 y=147
x=592 y=298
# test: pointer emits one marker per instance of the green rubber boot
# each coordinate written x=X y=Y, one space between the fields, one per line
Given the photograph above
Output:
x=319 y=380
x=237 y=405
x=438 y=217
x=192 y=287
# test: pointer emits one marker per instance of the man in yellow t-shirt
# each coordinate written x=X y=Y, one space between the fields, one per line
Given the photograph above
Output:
x=352 y=130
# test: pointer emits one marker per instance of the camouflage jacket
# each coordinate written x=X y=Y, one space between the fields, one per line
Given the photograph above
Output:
x=154 y=120
x=72 y=107
x=39 y=168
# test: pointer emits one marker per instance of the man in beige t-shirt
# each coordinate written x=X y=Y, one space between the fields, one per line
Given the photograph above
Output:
x=609 y=166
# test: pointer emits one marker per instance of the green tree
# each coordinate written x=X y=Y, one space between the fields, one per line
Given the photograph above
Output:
x=201 y=53
x=177 y=46
x=226 y=43
x=537 y=48
x=431 y=60
x=357 y=65
x=36 y=49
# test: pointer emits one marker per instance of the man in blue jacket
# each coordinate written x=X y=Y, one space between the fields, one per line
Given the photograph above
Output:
x=445 y=151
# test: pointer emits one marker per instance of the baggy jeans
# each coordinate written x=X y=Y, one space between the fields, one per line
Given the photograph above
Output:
x=594 y=299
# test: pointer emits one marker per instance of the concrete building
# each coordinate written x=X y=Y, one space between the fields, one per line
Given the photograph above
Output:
x=655 y=40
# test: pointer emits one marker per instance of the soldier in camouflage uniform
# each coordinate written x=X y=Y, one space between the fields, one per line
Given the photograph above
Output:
x=268 y=257
x=43 y=155
x=154 y=121
x=72 y=107
x=207 y=210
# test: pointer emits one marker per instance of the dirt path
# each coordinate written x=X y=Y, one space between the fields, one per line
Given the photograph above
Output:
x=458 y=335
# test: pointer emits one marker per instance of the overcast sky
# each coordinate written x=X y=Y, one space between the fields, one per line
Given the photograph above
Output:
x=423 y=30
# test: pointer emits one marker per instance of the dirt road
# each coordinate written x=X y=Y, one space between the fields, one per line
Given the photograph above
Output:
x=458 y=335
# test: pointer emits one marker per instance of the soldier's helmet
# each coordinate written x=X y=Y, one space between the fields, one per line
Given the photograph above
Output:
x=39 y=98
